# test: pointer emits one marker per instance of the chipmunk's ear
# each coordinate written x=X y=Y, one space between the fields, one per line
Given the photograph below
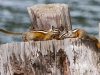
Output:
x=61 y=28
x=52 y=28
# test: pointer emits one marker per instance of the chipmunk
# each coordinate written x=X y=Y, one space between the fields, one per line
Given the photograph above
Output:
x=35 y=35
x=57 y=37
x=63 y=34
x=81 y=34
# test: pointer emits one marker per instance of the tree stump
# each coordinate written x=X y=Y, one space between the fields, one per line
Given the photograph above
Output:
x=53 y=57
x=42 y=16
x=62 y=57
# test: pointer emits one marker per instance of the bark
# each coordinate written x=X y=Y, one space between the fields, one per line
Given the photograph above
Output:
x=42 y=16
x=53 y=57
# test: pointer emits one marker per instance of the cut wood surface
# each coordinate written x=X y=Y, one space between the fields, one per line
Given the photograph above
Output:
x=42 y=16
x=53 y=57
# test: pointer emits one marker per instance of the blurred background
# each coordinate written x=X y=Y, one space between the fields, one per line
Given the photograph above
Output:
x=14 y=16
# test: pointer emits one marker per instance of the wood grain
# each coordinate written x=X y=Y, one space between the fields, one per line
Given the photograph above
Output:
x=43 y=16
x=53 y=57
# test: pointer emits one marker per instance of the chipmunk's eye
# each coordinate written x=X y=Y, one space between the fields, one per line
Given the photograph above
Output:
x=66 y=31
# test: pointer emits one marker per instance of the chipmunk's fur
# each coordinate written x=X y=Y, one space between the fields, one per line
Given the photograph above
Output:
x=81 y=34
x=35 y=35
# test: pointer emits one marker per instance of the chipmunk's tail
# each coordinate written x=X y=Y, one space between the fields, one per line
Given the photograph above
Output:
x=95 y=40
x=11 y=33
x=98 y=45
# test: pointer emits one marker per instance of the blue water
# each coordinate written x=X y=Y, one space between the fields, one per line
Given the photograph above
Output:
x=14 y=16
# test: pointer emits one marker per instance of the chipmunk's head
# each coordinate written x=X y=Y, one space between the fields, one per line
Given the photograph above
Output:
x=54 y=30
x=73 y=33
x=63 y=34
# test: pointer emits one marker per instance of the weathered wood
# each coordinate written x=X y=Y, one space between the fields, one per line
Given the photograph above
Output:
x=62 y=57
x=43 y=16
